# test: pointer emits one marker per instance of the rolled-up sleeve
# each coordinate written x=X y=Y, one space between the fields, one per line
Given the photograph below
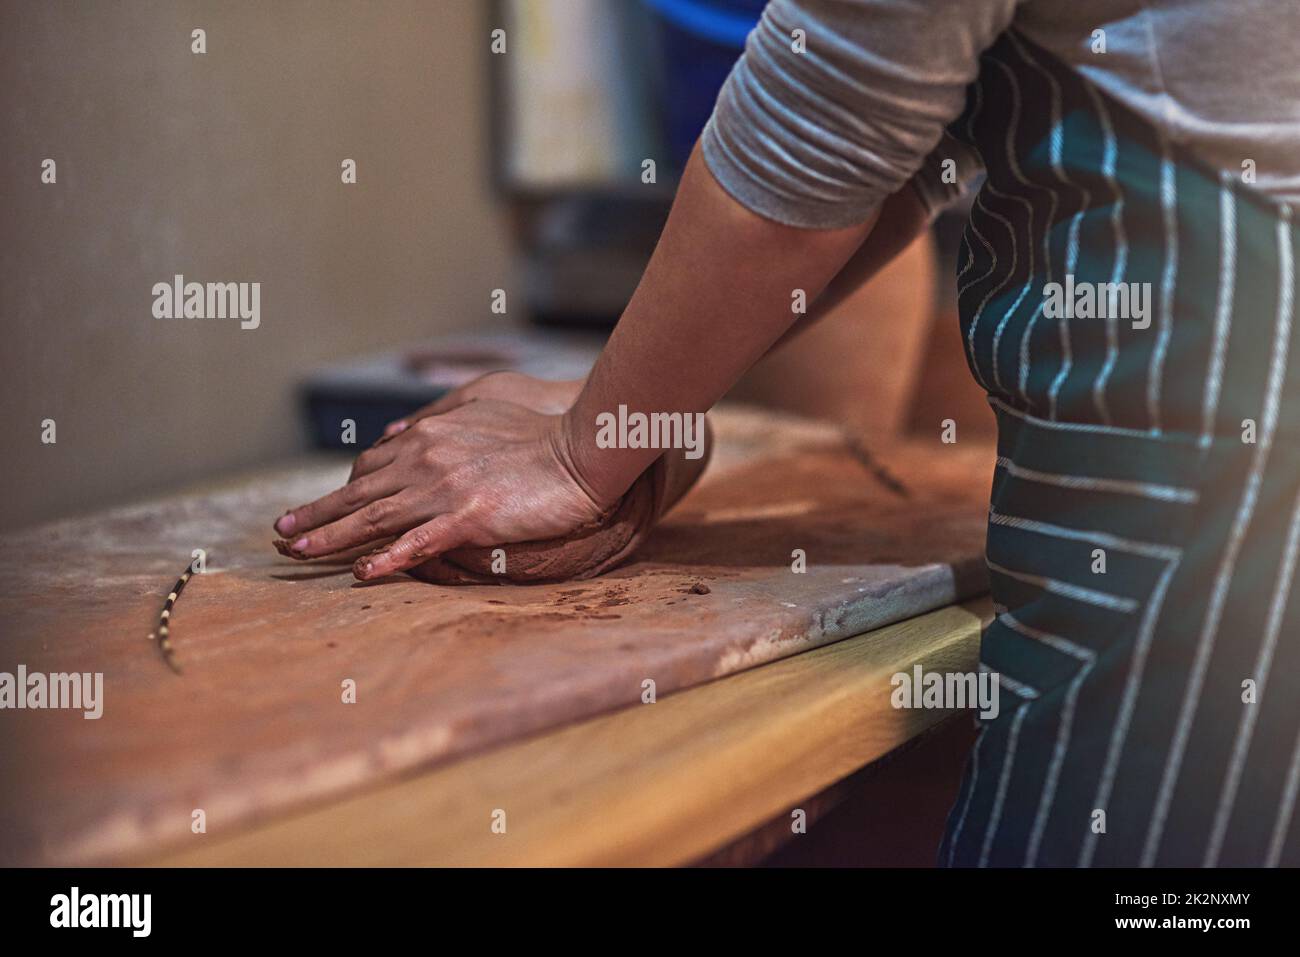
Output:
x=819 y=136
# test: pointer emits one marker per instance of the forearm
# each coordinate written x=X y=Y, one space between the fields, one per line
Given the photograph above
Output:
x=902 y=218
x=716 y=295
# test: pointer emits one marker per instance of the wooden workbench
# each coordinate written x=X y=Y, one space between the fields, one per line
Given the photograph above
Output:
x=470 y=701
x=657 y=784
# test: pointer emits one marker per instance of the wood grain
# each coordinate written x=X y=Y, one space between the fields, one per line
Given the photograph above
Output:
x=256 y=725
x=653 y=784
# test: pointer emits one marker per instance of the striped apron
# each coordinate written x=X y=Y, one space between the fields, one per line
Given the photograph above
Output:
x=1145 y=513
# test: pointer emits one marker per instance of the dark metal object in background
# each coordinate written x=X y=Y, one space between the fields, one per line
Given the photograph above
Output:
x=373 y=391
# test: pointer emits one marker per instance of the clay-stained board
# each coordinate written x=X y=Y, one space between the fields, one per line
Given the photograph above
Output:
x=256 y=724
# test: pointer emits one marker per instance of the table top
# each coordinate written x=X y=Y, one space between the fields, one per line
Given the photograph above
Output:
x=659 y=784
x=257 y=725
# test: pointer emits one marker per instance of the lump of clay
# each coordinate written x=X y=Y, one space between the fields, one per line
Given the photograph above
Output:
x=587 y=551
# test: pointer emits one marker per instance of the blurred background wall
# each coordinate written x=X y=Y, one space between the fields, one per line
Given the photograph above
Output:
x=224 y=167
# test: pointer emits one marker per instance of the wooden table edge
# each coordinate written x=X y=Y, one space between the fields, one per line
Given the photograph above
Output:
x=651 y=785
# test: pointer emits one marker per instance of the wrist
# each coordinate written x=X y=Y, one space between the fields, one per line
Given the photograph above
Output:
x=604 y=474
x=567 y=442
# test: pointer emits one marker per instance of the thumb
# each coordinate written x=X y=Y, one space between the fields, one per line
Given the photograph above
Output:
x=415 y=547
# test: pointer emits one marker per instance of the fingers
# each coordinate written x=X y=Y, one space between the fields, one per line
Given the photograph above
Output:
x=398 y=426
x=416 y=546
x=373 y=459
x=382 y=518
x=444 y=404
x=452 y=400
x=485 y=386
x=296 y=523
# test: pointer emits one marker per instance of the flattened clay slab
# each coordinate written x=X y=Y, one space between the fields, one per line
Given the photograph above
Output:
x=256 y=724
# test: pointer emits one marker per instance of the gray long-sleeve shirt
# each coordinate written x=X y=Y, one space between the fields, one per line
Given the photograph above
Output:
x=819 y=137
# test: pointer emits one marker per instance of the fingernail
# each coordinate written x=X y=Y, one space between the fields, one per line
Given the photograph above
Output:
x=284 y=524
x=300 y=544
x=363 y=567
x=394 y=428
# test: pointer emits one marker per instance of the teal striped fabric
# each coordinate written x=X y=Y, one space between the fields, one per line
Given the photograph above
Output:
x=1151 y=709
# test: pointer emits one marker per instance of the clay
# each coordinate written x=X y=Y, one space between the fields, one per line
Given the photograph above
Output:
x=282 y=546
x=587 y=551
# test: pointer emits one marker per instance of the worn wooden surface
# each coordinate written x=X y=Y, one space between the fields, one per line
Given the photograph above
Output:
x=649 y=785
x=256 y=724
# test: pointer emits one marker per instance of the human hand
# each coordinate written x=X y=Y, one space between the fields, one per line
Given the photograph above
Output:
x=540 y=395
x=486 y=472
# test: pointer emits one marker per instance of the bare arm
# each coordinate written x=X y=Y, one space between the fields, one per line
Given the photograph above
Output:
x=812 y=145
x=902 y=218
x=716 y=295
